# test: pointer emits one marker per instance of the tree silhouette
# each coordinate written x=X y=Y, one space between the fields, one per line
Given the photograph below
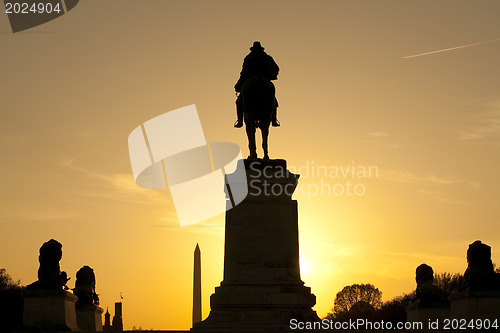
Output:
x=394 y=310
x=11 y=302
x=449 y=283
x=355 y=293
x=6 y=281
x=364 y=300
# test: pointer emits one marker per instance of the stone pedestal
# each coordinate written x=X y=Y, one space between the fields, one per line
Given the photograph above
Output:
x=48 y=309
x=476 y=305
x=89 y=318
x=262 y=290
x=428 y=315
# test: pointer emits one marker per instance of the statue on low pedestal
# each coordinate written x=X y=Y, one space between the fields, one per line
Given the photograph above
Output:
x=50 y=275
x=428 y=294
x=85 y=287
x=480 y=274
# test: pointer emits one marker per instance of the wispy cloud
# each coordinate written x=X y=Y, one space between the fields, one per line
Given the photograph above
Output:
x=450 y=49
x=87 y=134
x=381 y=139
x=211 y=227
x=122 y=187
x=401 y=176
x=436 y=187
x=379 y=134
x=116 y=186
x=484 y=128
x=45 y=216
x=49 y=216
x=440 y=196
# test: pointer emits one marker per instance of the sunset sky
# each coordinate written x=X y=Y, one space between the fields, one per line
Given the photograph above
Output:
x=360 y=85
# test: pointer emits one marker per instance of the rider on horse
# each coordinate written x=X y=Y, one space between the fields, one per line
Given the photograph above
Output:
x=256 y=63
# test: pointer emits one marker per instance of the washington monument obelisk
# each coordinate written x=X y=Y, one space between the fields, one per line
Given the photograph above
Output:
x=197 y=285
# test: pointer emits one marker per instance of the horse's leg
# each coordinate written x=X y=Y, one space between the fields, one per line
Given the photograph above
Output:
x=265 y=133
x=250 y=128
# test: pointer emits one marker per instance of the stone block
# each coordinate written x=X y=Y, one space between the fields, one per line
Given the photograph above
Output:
x=49 y=309
x=284 y=299
x=476 y=305
x=424 y=315
x=89 y=318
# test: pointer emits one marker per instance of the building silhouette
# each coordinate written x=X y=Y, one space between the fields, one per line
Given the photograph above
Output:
x=107 y=321
x=117 y=318
x=117 y=325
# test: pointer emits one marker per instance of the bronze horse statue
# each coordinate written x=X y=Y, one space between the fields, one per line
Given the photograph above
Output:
x=259 y=102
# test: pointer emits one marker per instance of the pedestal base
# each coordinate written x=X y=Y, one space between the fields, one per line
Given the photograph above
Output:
x=427 y=316
x=476 y=305
x=259 y=307
x=89 y=318
x=48 y=309
x=262 y=290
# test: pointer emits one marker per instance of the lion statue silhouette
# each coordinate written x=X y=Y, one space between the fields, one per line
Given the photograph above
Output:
x=85 y=287
x=49 y=272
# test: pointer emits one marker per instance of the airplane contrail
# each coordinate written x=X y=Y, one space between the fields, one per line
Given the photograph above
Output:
x=450 y=49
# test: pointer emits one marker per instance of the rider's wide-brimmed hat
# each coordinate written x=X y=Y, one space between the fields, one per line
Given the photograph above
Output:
x=256 y=47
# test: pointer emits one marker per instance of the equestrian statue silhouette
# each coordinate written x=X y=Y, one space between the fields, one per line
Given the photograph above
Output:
x=256 y=104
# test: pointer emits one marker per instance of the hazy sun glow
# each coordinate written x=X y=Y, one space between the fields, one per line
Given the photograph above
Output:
x=306 y=267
